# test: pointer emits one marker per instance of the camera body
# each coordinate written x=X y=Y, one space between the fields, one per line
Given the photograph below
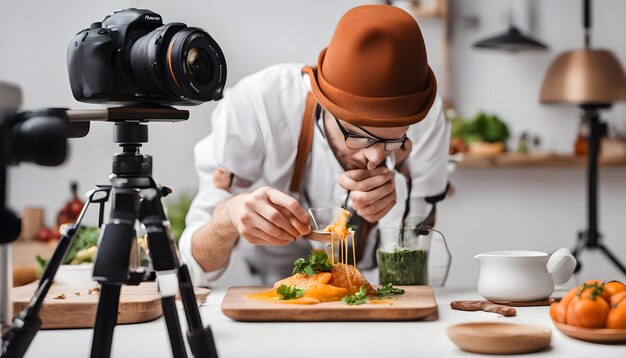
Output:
x=132 y=57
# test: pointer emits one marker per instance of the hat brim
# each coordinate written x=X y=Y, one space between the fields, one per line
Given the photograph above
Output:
x=397 y=111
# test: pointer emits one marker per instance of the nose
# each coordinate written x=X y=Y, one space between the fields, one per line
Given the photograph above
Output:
x=375 y=155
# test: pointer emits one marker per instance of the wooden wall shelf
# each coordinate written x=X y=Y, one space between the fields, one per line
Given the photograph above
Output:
x=516 y=160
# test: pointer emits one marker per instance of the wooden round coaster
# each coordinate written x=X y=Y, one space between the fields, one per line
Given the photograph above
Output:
x=499 y=338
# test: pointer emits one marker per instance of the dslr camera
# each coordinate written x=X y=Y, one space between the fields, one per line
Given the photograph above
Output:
x=132 y=57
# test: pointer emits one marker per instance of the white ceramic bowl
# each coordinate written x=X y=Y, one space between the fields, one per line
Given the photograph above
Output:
x=75 y=275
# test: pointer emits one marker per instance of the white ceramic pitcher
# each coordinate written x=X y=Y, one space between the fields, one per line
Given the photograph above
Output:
x=519 y=276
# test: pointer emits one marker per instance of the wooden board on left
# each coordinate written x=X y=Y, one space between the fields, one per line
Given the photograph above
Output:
x=78 y=309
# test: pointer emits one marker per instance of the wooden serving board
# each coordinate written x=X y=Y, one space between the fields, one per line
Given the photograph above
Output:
x=417 y=303
x=78 y=309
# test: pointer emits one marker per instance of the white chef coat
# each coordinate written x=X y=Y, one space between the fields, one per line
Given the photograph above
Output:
x=255 y=131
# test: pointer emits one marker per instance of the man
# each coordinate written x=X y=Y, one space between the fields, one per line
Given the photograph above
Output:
x=289 y=138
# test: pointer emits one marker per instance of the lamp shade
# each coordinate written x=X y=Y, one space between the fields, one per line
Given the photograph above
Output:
x=513 y=40
x=584 y=77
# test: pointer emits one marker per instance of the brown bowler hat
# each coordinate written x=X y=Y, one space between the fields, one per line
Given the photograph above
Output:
x=375 y=71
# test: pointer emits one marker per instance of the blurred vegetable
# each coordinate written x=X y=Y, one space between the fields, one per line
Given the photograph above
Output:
x=86 y=237
x=482 y=128
x=84 y=256
x=46 y=234
x=41 y=264
x=83 y=248
x=176 y=213
x=594 y=304
x=456 y=127
x=588 y=309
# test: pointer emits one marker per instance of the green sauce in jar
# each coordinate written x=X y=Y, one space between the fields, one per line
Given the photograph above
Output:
x=403 y=267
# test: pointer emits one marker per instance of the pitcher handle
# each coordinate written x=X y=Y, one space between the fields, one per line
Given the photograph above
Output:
x=561 y=265
x=449 y=254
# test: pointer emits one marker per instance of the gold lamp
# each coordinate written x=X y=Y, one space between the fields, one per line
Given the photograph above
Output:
x=584 y=77
x=593 y=80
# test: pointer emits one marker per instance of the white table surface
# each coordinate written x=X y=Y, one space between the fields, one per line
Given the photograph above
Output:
x=323 y=339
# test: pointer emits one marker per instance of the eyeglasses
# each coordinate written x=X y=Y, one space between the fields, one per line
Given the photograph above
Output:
x=358 y=141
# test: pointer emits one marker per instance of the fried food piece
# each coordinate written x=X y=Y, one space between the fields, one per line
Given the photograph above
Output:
x=325 y=293
x=304 y=281
x=348 y=277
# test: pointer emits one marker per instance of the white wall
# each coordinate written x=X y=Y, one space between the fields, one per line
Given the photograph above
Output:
x=537 y=209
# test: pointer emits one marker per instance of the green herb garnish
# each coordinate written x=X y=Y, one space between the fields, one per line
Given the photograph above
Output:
x=289 y=292
x=316 y=262
x=358 y=298
x=388 y=290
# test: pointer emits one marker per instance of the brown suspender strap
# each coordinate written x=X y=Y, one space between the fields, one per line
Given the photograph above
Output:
x=304 y=142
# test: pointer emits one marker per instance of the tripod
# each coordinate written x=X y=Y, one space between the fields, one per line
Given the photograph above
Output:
x=590 y=239
x=134 y=197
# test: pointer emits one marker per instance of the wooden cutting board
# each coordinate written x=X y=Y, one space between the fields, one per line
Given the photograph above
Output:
x=78 y=309
x=417 y=303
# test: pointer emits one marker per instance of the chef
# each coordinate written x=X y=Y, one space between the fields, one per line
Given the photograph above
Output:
x=363 y=129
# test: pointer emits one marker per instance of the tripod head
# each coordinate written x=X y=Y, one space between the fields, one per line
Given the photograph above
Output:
x=130 y=131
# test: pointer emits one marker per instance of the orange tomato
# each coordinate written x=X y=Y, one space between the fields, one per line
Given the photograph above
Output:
x=558 y=310
x=597 y=283
x=617 y=298
x=588 y=309
x=554 y=311
x=593 y=282
x=614 y=287
x=617 y=316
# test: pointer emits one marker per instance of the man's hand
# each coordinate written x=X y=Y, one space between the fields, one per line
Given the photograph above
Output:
x=373 y=192
x=268 y=217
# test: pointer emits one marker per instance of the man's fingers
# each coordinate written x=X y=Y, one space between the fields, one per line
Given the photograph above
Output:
x=253 y=221
x=379 y=205
x=379 y=215
x=281 y=199
x=362 y=199
x=258 y=237
x=367 y=184
x=277 y=218
x=301 y=228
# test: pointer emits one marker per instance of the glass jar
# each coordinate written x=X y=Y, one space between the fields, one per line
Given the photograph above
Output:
x=403 y=257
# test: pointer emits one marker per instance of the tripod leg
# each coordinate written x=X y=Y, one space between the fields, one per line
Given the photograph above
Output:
x=106 y=319
x=173 y=327
x=165 y=261
x=612 y=257
x=580 y=245
x=110 y=268
x=200 y=338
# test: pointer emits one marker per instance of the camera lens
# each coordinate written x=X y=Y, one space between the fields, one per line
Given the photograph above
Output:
x=200 y=67
x=175 y=61
x=197 y=69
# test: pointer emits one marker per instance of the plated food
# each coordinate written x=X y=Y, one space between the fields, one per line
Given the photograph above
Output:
x=319 y=278
x=316 y=280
